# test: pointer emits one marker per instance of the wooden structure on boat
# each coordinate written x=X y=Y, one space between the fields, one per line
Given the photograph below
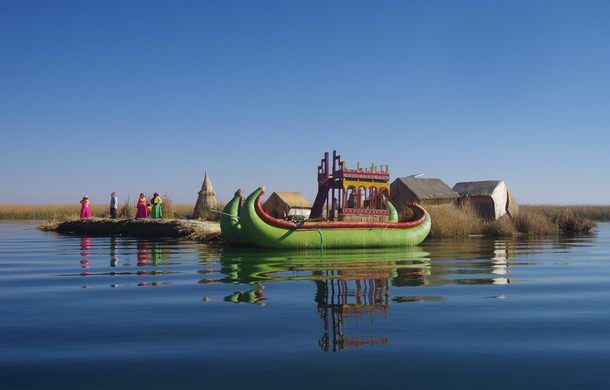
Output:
x=351 y=194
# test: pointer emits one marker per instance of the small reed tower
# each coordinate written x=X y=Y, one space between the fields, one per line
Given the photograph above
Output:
x=206 y=199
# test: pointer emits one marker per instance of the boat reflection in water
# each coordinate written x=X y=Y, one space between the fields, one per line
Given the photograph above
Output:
x=352 y=287
x=350 y=298
x=350 y=284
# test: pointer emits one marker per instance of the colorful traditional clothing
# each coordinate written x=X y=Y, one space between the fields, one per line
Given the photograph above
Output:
x=156 y=207
x=141 y=211
x=85 y=211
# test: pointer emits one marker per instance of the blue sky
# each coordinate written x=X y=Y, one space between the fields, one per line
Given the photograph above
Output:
x=134 y=96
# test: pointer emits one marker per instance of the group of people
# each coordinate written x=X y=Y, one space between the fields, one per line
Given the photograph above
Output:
x=152 y=209
x=143 y=209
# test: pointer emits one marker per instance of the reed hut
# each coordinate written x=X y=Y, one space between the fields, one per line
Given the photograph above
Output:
x=405 y=190
x=206 y=198
x=491 y=198
x=282 y=204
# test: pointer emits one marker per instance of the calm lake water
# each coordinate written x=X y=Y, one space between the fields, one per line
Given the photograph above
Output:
x=97 y=312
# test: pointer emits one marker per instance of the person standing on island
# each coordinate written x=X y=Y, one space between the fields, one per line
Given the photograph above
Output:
x=156 y=206
x=114 y=201
x=141 y=211
x=85 y=211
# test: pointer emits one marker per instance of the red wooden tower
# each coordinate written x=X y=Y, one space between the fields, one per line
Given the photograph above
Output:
x=355 y=195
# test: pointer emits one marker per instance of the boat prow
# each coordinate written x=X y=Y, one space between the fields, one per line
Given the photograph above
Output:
x=230 y=224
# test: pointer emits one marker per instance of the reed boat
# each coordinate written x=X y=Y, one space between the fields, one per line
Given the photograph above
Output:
x=352 y=209
x=253 y=226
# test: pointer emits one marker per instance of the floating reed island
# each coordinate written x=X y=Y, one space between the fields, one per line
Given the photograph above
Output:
x=448 y=221
x=205 y=231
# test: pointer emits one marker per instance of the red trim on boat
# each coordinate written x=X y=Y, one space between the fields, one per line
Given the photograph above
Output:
x=280 y=223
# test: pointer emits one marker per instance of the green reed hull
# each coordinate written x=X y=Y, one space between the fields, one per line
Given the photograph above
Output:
x=229 y=221
x=253 y=230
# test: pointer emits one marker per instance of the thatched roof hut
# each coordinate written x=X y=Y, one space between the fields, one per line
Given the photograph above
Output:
x=491 y=198
x=290 y=203
x=206 y=198
x=405 y=190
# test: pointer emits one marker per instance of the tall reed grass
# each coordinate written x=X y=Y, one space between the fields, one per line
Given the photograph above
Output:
x=11 y=211
x=210 y=215
x=126 y=210
x=595 y=213
x=454 y=221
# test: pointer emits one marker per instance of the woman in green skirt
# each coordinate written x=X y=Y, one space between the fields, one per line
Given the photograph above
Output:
x=156 y=206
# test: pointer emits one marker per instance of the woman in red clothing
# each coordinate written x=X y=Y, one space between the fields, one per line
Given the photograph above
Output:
x=85 y=211
x=141 y=212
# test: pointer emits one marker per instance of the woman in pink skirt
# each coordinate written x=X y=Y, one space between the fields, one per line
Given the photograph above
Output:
x=141 y=211
x=85 y=211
